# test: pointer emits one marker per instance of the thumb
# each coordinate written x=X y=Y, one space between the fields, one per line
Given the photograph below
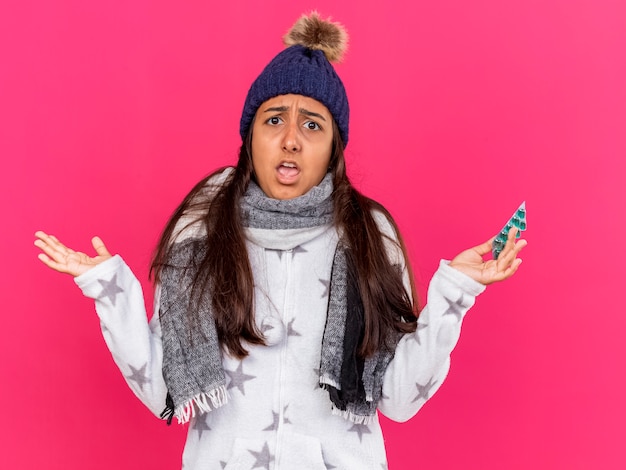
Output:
x=98 y=245
x=484 y=248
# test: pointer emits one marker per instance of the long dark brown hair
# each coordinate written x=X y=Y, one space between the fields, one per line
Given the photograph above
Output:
x=225 y=266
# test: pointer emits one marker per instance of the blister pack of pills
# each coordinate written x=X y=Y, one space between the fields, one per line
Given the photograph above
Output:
x=518 y=220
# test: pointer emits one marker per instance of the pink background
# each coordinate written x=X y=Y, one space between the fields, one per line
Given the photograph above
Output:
x=111 y=111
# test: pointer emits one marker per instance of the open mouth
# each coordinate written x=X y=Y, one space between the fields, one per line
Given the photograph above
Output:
x=288 y=170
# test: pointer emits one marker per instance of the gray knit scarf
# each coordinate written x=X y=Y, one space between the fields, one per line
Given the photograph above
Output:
x=192 y=365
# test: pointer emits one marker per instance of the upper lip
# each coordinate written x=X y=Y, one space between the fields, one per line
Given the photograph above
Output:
x=289 y=163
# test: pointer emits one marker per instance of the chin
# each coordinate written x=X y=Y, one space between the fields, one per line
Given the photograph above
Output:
x=286 y=193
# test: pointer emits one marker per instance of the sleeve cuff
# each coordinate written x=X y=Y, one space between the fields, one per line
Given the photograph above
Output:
x=461 y=280
x=88 y=281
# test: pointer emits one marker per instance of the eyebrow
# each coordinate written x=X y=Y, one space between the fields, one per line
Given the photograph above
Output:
x=306 y=112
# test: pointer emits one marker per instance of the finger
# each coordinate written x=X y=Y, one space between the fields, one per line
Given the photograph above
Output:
x=511 y=252
x=506 y=259
x=50 y=249
x=52 y=241
x=40 y=234
x=99 y=246
x=484 y=248
x=519 y=246
x=60 y=246
x=510 y=240
x=512 y=261
x=51 y=263
x=511 y=236
x=44 y=237
x=512 y=269
x=510 y=245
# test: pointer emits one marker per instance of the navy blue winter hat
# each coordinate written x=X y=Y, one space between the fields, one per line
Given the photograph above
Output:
x=304 y=68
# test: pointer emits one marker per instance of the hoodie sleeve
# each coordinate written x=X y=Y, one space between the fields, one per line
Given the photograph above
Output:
x=135 y=343
x=422 y=358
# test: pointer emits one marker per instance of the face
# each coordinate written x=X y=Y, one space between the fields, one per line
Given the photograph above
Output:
x=292 y=140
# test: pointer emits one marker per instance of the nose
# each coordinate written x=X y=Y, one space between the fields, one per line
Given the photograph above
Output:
x=291 y=139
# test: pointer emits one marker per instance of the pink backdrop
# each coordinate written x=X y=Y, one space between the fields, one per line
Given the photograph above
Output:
x=111 y=111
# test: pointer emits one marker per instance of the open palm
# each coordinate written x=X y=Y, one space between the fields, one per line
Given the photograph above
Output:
x=471 y=261
x=59 y=257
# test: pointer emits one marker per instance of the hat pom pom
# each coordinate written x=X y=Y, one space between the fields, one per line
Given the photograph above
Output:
x=313 y=32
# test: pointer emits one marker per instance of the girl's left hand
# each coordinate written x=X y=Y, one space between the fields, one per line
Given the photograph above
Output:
x=471 y=263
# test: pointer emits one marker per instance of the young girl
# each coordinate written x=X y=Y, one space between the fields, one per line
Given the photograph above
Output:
x=284 y=310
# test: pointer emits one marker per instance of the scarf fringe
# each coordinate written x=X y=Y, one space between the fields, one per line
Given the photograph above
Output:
x=352 y=417
x=327 y=380
x=201 y=403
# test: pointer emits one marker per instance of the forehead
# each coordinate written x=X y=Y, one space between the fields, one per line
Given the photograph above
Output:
x=292 y=101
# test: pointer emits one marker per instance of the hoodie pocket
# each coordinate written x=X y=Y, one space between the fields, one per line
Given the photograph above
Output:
x=301 y=452
x=296 y=451
x=251 y=453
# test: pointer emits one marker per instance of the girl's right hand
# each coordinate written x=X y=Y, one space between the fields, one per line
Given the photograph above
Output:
x=65 y=260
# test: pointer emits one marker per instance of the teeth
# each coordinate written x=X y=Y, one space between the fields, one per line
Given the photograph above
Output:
x=289 y=165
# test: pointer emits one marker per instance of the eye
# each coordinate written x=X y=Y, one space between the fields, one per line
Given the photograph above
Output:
x=312 y=125
x=274 y=121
